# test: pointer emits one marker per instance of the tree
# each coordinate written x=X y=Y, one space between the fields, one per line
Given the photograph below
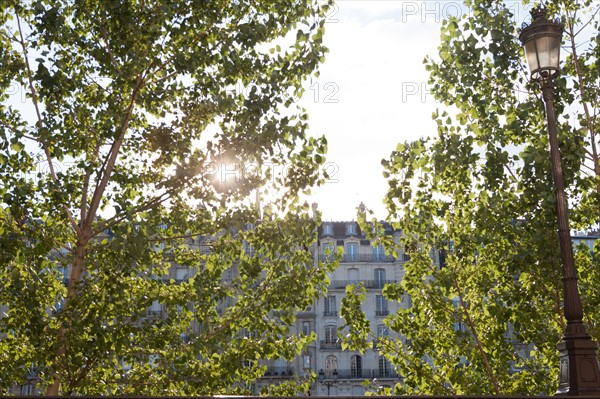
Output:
x=486 y=318
x=147 y=131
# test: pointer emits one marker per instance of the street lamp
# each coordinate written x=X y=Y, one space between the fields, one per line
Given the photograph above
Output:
x=328 y=380
x=579 y=372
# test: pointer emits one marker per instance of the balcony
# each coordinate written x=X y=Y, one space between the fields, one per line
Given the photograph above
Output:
x=367 y=258
x=330 y=313
x=368 y=284
x=281 y=372
x=490 y=396
x=328 y=345
x=382 y=312
x=362 y=374
x=156 y=313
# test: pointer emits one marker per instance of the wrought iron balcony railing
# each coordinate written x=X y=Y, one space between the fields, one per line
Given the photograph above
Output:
x=329 y=345
x=360 y=258
x=369 y=284
x=284 y=372
x=362 y=374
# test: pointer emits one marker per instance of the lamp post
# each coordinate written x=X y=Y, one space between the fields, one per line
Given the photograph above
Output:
x=579 y=372
x=328 y=380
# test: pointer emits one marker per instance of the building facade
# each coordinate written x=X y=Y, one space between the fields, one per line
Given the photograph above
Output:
x=343 y=372
x=339 y=372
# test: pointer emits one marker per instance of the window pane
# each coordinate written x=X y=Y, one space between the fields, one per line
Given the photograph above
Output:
x=378 y=253
x=381 y=306
x=352 y=252
x=330 y=306
x=330 y=334
x=356 y=366
x=353 y=276
x=350 y=228
x=306 y=328
x=331 y=364
x=385 y=368
x=383 y=330
x=379 y=278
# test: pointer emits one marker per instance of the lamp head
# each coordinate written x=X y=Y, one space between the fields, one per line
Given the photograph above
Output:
x=541 y=40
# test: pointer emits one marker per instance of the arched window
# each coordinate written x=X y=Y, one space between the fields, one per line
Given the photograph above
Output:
x=356 y=366
x=330 y=364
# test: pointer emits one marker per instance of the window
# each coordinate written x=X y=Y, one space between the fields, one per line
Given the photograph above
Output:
x=328 y=251
x=330 y=306
x=330 y=364
x=379 y=278
x=181 y=274
x=327 y=229
x=331 y=334
x=248 y=249
x=351 y=229
x=385 y=367
x=378 y=253
x=356 y=366
x=383 y=330
x=28 y=389
x=63 y=275
x=155 y=308
x=353 y=276
x=306 y=362
x=381 y=306
x=204 y=249
x=352 y=252
x=59 y=305
x=227 y=274
x=245 y=333
x=458 y=326
x=306 y=330
x=153 y=360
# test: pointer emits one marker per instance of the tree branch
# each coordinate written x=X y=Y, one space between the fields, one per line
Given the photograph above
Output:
x=113 y=154
x=40 y=119
x=580 y=79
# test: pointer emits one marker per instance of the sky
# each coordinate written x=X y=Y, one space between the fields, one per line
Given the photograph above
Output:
x=372 y=93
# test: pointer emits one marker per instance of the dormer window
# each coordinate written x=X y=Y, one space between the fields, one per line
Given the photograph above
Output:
x=328 y=229
x=350 y=229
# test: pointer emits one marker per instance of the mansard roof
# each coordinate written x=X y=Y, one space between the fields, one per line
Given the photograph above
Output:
x=339 y=229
